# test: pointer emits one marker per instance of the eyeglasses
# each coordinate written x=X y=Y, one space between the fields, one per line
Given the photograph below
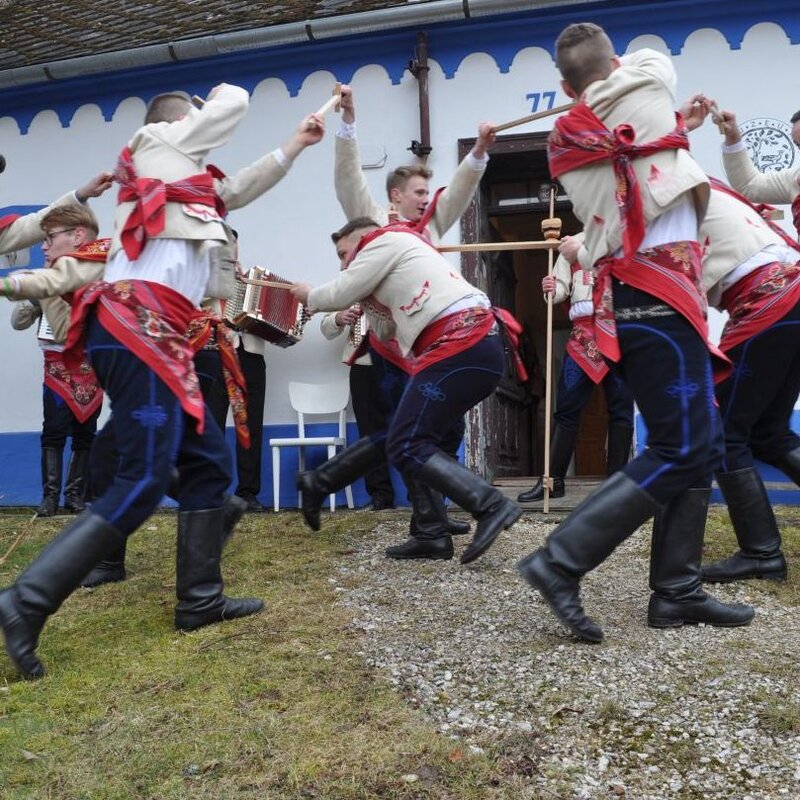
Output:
x=52 y=235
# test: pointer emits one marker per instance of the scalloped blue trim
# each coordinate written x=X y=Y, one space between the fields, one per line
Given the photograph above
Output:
x=501 y=37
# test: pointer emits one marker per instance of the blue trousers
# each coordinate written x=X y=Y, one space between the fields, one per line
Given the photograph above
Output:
x=438 y=396
x=575 y=389
x=153 y=433
x=757 y=399
x=667 y=367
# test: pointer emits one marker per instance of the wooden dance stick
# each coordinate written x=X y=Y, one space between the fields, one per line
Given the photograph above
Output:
x=270 y=284
x=531 y=117
x=197 y=101
x=487 y=247
x=334 y=102
x=551 y=230
x=717 y=118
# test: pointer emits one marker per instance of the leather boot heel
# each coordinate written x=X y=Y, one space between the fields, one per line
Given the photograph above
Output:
x=490 y=527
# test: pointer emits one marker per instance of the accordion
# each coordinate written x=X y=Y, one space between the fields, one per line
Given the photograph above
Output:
x=269 y=312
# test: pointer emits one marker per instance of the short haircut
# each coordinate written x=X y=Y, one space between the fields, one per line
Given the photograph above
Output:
x=167 y=107
x=354 y=225
x=398 y=178
x=70 y=216
x=795 y=117
x=583 y=55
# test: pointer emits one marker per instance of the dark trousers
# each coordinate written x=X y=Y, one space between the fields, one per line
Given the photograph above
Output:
x=59 y=422
x=439 y=395
x=153 y=434
x=248 y=462
x=373 y=411
x=575 y=389
x=667 y=367
x=757 y=399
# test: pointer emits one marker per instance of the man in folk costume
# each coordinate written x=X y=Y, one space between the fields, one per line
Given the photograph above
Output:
x=452 y=339
x=760 y=187
x=406 y=187
x=377 y=387
x=134 y=326
x=18 y=232
x=71 y=398
x=640 y=195
x=583 y=368
x=751 y=270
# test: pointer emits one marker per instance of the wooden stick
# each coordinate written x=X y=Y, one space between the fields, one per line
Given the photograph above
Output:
x=551 y=229
x=531 y=117
x=271 y=284
x=335 y=100
x=198 y=101
x=486 y=247
x=26 y=529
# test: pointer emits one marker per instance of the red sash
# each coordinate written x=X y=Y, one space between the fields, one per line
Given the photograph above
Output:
x=388 y=350
x=670 y=272
x=796 y=213
x=759 y=300
x=580 y=138
x=199 y=333
x=151 y=320
x=77 y=387
x=151 y=196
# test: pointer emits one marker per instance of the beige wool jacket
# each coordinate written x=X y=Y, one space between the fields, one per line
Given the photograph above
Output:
x=171 y=151
x=356 y=201
x=406 y=276
x=758 y=187
x=26 y=231
x=641 y=93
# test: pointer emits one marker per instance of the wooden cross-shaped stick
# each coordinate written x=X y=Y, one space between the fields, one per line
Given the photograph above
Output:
x=335 y=101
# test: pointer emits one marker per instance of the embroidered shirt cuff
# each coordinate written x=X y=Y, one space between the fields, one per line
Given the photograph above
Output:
x=478 y=164
x=283 y=162
x=734 y=148
x=347 y=130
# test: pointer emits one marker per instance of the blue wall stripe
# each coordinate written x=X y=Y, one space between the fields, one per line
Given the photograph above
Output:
x=502 y=37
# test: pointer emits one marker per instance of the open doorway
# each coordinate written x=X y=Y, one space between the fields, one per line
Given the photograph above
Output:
x=506 y=433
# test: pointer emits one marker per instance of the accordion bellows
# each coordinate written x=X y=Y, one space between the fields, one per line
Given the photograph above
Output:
x=269 y=312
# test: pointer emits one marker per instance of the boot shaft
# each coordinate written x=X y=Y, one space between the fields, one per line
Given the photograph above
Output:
x=750 y=511
x=77 y=480
x=52 y=471
x=620 y=440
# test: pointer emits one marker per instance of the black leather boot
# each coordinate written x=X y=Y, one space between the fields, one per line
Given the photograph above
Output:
x=77 y=480
x=789 y=465
x=585 y=539
x=677 y=548
x=756 y=530
x=41 y=589
x=456 y=527
x=336 y=473
x=233 y=509
x=198 y=582
x=562 y=447
x=52 y=466
x=110 y=570
x=429 y=536
x=492 y=510
x=620 y=439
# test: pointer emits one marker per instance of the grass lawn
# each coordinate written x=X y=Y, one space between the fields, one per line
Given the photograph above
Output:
x=274 y=706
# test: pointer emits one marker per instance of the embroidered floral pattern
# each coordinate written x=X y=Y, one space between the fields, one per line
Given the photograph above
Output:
x=78 y=388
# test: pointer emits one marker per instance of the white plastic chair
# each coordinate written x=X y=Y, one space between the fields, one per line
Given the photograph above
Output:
x=313 y=399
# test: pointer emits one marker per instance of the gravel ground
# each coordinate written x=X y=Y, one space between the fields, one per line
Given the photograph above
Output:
x=696 y=712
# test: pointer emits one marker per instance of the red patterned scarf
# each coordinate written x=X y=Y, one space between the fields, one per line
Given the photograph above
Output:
x=151 y=196
x=200 y=331
x=670 y=272
x=78 y=387
x=151 y=320
x=579 y=138
x=582 y=346
x=759 y=300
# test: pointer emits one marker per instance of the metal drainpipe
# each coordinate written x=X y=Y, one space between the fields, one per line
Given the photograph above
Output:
x=419 y=69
